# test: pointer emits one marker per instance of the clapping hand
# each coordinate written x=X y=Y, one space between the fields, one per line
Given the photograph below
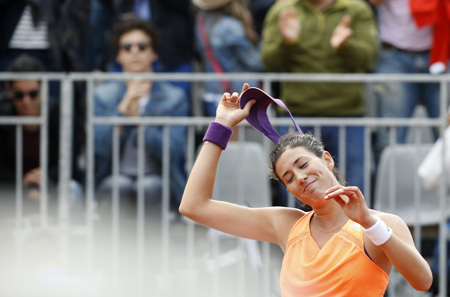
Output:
x=289 y=24
x=341 y=33
x=129 y=105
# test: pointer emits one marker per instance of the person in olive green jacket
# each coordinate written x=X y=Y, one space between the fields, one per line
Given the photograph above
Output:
x=323 y=36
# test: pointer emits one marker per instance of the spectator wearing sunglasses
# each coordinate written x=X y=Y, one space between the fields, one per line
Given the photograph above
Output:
x=23 y=98
x=136 y=47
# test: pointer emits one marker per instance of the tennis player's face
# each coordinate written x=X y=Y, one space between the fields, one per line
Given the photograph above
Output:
x=305 y=175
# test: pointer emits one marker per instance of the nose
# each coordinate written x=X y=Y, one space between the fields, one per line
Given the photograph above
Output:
x=28 y=97
x=301 y=177
x=134 y=49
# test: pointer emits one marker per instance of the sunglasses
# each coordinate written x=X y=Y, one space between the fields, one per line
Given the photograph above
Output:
x=142 y=46
x=19 y=95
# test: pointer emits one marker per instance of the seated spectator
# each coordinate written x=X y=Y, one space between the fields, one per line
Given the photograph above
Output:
x=23 y=98
x=227 y=42
x=172 y=19
x=137 y=46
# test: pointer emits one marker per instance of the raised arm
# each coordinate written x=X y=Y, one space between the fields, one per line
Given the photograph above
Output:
x=197 y=203
x=396 y=250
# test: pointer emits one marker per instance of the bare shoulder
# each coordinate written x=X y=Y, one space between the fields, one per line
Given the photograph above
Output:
x=388 y=218
x=283 y=220
x=397 y=224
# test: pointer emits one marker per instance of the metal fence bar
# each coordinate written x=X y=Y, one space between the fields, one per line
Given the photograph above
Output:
x=90 y=203
x=443 y=191
x=43 y=187
x=342 y=151
x=266 y=78
x=190 y=232
x=115 y=216
x=417 y=195
x=192 y=122
x=367 y=167
x=65 y=152
x=18 y=120
x=19 y=174
x=141 y=210
x=316 y=122
x=165 y=202
x=392 y=170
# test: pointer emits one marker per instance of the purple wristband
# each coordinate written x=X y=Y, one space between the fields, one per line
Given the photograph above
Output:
x=218 y=134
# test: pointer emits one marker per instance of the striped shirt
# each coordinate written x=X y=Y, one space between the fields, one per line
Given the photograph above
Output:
x=397 y=27
x=27 y=36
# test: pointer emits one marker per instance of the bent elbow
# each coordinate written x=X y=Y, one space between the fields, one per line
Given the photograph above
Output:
x=187 y=209
x=425 y=283
x=184 y=209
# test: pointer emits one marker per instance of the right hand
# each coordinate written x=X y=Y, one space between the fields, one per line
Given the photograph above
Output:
x=228 y=112
x=31 y=181
x=289 y=24
x=136 y=89
x=32 y=177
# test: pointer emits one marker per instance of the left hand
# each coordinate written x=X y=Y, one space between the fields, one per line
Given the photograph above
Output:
x=341 y=33
x=289 y=25
x=352 y=202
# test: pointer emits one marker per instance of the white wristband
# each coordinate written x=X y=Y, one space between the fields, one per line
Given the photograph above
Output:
x=379 y=233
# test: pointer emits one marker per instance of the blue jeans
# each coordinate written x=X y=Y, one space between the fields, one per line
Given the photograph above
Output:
x=398 y=100
x=128 y=187
x=354 y=158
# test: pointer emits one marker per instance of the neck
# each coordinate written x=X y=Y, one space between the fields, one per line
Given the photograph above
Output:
x=31 y=128
x=322 y=4
x=330 y=214
x=330 y=226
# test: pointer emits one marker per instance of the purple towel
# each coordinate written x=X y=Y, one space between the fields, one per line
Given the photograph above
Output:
x=258 y=113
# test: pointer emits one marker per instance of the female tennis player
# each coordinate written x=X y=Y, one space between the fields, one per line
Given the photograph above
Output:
x=340 y=248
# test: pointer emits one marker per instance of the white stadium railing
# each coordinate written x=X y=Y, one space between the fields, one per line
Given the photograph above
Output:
x=150 y=254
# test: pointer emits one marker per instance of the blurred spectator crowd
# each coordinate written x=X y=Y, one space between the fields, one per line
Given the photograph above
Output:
x=214 y=36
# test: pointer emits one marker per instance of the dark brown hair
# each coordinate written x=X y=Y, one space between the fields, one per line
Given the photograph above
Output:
x=239 y=9
x=25 y=63
x=130 y=23
x=295 y=139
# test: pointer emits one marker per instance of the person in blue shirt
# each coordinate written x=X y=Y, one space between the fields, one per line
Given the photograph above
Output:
x=227 y=42
x=136 y=46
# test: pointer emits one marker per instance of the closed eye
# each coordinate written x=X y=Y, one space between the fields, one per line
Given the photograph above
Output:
x=291 y=178
x=303 y=165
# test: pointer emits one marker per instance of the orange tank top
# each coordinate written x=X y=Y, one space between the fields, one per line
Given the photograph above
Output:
x=341 y=268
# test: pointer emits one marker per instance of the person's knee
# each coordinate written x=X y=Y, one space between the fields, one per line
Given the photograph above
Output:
x=152 y=185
